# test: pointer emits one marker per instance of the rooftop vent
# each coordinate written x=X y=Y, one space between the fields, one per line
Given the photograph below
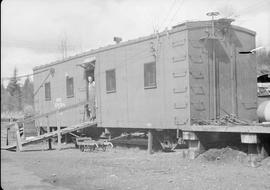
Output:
x=117 y=39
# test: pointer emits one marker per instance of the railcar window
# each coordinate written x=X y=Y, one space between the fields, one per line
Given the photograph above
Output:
x=47 y=91
x=69 y=87
x=150 y=75
x=110 y=81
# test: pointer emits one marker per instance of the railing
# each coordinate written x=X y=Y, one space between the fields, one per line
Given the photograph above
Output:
x=35 y=117
x=48 y=113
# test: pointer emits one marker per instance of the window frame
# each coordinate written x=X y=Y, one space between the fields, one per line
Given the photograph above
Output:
x=67 y=87
x=108 y=87
x=46 y=91
x=147 y=84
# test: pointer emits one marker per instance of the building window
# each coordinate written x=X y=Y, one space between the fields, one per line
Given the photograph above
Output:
x=150 y=75
x=47 y=91
x=70 y=87
x=110 y=81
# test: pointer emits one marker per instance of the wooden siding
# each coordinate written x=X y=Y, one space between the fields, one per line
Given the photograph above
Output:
x=236 y=75
x=58 y=90
x=182 y=77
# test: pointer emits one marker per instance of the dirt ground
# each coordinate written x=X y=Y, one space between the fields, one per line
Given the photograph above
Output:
x=125 y=168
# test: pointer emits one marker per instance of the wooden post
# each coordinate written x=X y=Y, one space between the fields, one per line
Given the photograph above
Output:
x=18 y=137
x=7 y=136
x=38 y=128
x=23 y=135
x=66 y=138
x=48 y=130
x=150 y=141
x=58 y=132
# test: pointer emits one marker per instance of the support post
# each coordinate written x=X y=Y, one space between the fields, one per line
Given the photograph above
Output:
x=195 y=147
x=58 y=132
x=48 y=130
x=18 y=138
x=150 y=142
x=7 y=136
x=38 y=128
x=23 y=134
x=66 y=138
x=252 y=142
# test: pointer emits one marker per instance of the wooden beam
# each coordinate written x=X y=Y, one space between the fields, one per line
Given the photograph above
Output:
x=228 y=129
x=74 y=135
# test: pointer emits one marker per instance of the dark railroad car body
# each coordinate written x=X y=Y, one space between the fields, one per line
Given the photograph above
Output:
x=167 y=80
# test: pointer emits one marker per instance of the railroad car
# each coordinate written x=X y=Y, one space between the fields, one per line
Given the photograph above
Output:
x=166 y=81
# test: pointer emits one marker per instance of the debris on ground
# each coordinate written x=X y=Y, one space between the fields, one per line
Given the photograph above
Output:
x=227 y=120
x=129 y=168
x=223 y=155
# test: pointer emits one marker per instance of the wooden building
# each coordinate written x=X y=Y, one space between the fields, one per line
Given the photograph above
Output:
x=168 y=80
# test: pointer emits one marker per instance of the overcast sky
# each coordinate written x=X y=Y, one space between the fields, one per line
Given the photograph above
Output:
x=32 y=30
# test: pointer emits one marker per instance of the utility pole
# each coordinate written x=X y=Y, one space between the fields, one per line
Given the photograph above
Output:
x=63 y=48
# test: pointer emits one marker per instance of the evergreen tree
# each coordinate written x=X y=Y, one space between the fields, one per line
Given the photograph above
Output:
x=4 y=96
x=15 y=94
x=28 y=93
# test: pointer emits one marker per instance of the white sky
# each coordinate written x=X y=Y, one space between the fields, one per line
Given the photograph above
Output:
x=32 y=30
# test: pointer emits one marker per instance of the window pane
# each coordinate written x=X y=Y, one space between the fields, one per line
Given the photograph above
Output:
x=150 y=75
x=110 y=81
x=47 y=91
x=69 y=87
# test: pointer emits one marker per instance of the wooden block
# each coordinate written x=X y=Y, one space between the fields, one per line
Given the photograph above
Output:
x=249 y=138
x=189 y=136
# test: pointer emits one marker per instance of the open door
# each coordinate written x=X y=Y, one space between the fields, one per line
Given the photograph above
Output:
x=89 y=76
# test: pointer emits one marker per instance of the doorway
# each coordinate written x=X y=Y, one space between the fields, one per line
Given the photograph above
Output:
x=89 y=74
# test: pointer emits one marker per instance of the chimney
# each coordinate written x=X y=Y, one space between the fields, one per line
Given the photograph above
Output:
x=117 y=39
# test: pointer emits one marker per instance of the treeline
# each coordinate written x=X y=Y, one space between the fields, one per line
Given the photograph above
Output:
x=16 y=97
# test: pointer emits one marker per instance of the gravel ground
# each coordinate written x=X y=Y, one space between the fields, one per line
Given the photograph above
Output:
x=123 y=168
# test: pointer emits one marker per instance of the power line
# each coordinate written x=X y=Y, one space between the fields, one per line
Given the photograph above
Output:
x=35 y=93
x=179 y=7
x=254 y=6
x=168 y=13
x=24 y=76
